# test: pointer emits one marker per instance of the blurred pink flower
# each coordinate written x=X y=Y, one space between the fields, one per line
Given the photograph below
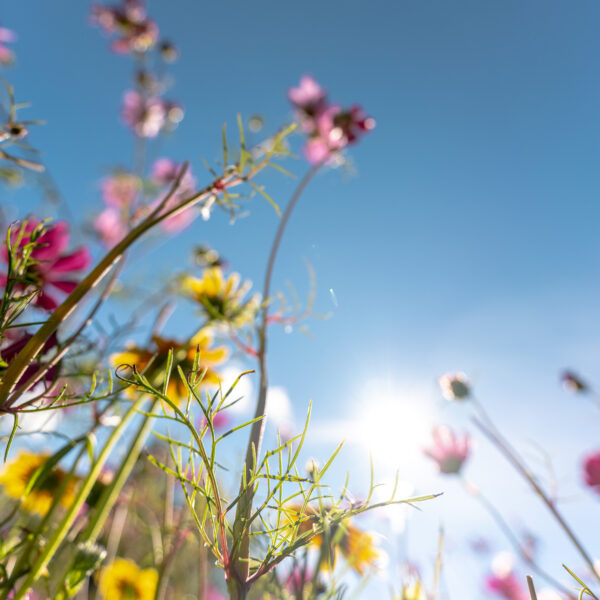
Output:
x=591 y=471
x=9 y=351
x=52 y=264
x=164 y=173
x=507 y=586
x=145 y=116
x=309 y=99
x=110 y=227
x=6 y=54
x=120 y=190
x=213 y=593
x=297 y=579
x=329 y=127
x=448 y=450
x=220 y=420
x=137 y=33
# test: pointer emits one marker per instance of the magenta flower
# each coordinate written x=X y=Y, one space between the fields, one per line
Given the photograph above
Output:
x=145 y=116
x=9 y=351
x=309 y=99
x=507 y=586
x=330 y=128
x=137 y=33
x=110 y=226
x=7 y=36
x=164 y=173
x=448 y=450
x=591 y=471
x=53 y=268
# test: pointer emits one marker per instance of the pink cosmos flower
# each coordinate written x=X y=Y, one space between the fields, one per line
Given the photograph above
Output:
x=329 y=127
x=309 y=99
x=448 y=450
x=164 y=173
x=591 y=471
x=7 y=36
x=9 y=351
x=53 y=267
x=110 y=226
x=137 y=33
x=507 y=586
x=145 y=116
x=120 y=190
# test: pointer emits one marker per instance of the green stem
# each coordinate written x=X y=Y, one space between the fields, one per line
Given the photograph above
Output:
x=19 y=364
x=86 y=487
x=244 y=507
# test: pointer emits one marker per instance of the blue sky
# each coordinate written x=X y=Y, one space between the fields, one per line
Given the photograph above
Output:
x=467 y=240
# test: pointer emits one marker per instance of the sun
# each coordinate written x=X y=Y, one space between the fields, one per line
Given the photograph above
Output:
x=393 y=422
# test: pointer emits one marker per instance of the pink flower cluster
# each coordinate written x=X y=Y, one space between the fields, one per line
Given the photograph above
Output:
x=164 y=173
x=53 y=268
x=149 y=116
x=591 y=471
x=329 y=127
x=122 y=196
x=136 y=32
x=449 y=451
x=6 y=54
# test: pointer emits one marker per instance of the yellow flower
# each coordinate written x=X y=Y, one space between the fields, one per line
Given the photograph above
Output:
x=413 y=591
x=124 y=580
x=15 y=476
x=222 y=299
x=356 y=546
x=152 y=362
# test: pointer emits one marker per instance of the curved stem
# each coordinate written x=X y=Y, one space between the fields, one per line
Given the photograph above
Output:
x=492 y=433
x=242 y=567
x=513 y=539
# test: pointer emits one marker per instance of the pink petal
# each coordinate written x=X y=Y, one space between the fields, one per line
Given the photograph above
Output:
x=53 y=242
x=76 y=261
x=64 y=286
x=46 y=302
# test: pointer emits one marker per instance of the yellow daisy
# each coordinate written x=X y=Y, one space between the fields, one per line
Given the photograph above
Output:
x=124 y=580
x=152 y=361
x=15 y=476
x=220 y=298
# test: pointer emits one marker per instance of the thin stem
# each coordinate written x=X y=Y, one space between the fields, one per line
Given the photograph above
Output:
x=490 y=431
x=63 y=528
x=20 y=363
x=513 y=539
x=242 y=565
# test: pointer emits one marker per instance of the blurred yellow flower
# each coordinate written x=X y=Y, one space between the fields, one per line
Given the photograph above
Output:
x=413 y=591
x=152 y=362
x=124 y=580
x=15 y=475
x=222 y=299
x=356 y=546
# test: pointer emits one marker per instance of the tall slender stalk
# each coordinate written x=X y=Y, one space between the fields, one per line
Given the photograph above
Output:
x=244 y=508
x=514 y=540
x=64 y=526
x=487 y=427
